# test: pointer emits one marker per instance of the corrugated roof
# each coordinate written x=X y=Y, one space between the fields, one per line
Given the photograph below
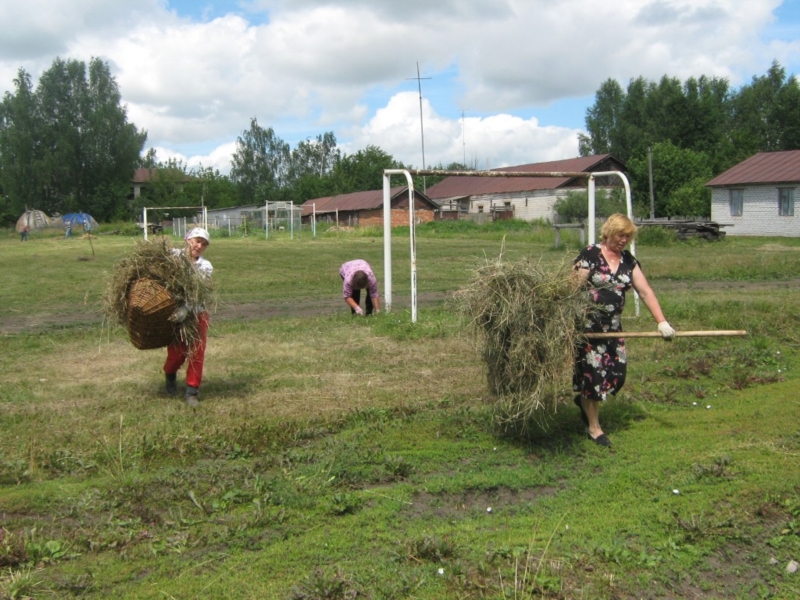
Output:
x=354 y=201
x=764 y=167
x=452 y=187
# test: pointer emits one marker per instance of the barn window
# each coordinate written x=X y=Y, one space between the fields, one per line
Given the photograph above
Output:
x=508 y=205
x=786 y=202
x=737 y=202
x=480 y=208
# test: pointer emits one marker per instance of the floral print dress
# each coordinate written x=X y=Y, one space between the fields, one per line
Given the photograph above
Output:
x=600 y=365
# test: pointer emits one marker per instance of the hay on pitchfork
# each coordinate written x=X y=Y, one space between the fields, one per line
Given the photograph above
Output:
x=527 y=320
x=146 y=287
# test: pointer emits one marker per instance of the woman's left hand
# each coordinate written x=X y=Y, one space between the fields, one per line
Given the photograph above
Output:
x=666 y=330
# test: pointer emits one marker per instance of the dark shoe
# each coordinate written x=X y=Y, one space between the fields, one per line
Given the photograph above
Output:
x=172 y=384
x=192 y=394
x=579 y=404
x=601 y=440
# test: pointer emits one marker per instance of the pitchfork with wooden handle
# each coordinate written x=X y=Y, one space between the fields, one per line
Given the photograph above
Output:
x=656 y=334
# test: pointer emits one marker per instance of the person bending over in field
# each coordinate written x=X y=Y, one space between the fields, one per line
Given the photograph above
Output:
x=197 y=240
x=356 y=276
x=608 y=271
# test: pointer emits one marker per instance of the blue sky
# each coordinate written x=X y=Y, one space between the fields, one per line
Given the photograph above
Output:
x=521 y=72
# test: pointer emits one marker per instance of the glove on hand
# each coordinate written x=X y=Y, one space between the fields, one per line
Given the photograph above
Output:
x=666 y=330
x=359 y=311
x=179 y=316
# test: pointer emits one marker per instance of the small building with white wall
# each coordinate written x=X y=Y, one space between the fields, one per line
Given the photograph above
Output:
x=757 y=196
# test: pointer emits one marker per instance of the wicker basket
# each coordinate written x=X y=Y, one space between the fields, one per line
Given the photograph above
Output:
x=149 y=308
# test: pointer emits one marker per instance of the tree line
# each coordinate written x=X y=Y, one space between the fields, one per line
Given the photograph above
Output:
x=691 y=131
x=67 y=145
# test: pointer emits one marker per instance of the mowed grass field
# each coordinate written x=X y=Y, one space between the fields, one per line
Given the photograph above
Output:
x=334 y=457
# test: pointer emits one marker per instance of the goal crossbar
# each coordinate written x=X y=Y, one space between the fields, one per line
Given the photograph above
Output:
x=387 y=216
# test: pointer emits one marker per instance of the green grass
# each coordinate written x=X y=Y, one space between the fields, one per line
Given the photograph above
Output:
x=333 y=457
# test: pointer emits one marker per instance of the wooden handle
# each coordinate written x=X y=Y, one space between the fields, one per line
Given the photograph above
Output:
x=656 y=334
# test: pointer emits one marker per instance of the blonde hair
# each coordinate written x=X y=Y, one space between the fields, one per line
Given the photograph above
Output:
x=617 y=224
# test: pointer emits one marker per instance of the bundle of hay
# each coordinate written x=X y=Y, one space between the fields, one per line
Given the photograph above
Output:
x=528 y=321
x=147 y=287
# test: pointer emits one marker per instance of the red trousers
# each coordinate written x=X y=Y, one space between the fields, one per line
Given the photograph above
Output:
x=177 y=354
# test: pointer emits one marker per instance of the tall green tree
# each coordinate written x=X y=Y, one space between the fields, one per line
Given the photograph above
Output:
x=603 y=120
x=311 y=166
x=679 y=177
x=766 y=115
x=19 y=176
x=362 y=170
x=82 y=149
x=260 y=165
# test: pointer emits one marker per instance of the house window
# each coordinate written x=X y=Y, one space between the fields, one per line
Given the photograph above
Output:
x=480 y=208
x=508 y=205
x=737 y=202
x=786 y=202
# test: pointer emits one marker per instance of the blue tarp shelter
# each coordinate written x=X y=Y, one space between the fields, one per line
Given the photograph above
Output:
x=79 y=219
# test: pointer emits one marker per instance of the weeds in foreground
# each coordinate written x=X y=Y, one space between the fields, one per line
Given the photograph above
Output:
x=325 y=585
x=19 y=584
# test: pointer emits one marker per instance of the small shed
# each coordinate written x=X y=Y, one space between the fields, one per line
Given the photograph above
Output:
x=33 y=219
x=366 y=208
x=757 y=196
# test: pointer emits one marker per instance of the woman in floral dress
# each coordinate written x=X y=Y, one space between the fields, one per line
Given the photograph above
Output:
x=609 y=271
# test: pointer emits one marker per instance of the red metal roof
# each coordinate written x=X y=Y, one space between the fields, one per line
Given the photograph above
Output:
x=764 y=167
x=456 y=186
x=354 y=201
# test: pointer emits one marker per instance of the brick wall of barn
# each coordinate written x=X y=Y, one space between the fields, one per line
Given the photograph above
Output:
x=367 y=218
x=759 y=212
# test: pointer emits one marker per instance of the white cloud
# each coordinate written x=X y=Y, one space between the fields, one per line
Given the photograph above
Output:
x=495 y=141
x=314 y=65
x=218 y=159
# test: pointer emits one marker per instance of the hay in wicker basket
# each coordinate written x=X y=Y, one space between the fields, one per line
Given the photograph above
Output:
x=527 y=321
x=147 y=287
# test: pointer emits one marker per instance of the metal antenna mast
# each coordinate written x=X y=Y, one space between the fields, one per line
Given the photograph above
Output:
x=421 y=130
x=463 y=137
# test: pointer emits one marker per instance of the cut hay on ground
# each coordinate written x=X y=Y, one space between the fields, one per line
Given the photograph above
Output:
x=154 y=260
x=527 y=320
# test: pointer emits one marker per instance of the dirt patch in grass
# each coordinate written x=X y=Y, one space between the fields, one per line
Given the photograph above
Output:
x=225 y=311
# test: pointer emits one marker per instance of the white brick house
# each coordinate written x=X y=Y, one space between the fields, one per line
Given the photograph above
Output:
x=757 y=196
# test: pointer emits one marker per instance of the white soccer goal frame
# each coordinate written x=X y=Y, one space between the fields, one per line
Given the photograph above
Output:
x=204 y=211
x=387 y=217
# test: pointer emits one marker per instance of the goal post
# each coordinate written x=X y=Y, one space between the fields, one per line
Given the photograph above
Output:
x=203 y=210
x=387 y=216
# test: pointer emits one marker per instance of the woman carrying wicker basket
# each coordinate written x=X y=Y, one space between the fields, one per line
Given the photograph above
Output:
x=609 y=270
x=197 y=240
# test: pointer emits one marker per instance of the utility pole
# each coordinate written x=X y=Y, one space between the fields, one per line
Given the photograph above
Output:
x=650 y=170
x=463 y=137
x=421 y=130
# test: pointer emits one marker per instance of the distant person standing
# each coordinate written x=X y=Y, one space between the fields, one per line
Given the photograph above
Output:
x=68 y=230
x=23 y=235
x=356 y=276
